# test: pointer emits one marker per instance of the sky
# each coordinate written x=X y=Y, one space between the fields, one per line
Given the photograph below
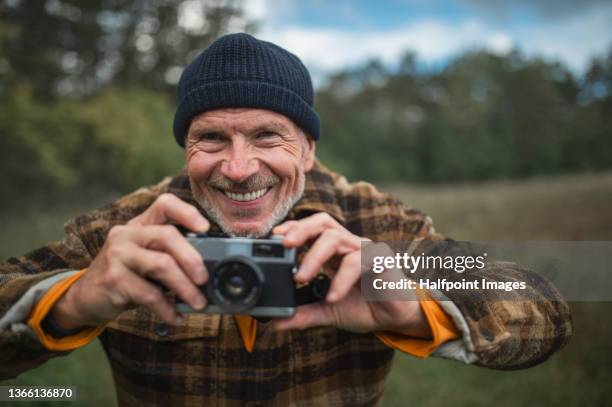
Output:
x=331 y=35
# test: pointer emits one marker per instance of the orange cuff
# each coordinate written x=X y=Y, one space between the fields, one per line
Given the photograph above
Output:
x=442 y=328
x=42 y=308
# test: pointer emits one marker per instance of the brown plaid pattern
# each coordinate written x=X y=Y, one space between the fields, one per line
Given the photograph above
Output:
x=205 y=363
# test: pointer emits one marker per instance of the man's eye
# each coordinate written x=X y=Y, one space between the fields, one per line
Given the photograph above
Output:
x=210 y=137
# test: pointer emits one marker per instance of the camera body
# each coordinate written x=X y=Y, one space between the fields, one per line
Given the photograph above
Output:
x=246 y=276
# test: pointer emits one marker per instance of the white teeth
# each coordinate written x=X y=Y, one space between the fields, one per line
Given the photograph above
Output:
x=249 y=196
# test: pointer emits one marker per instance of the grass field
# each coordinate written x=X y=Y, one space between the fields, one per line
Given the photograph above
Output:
x=574 y=207
x=560 y=208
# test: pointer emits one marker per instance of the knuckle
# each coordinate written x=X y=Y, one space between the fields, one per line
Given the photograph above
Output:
x=290 y=225
x=165 y=200
x=193 y=212
x=114 y=252
x=322 y=216
x=169 y=232
x=195 y=261
x=163 y=262
x=113 y=277
x=151 y=296
x=116 y=231
x=331 y=233
x=326 y=218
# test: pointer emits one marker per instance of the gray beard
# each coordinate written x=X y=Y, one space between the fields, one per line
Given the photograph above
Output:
x=278 y=214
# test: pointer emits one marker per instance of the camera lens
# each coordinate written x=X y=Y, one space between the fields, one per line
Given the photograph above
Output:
x=235 y=281
x=236 y=284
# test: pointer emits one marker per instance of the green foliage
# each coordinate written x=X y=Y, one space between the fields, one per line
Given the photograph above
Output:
x=483 y=116
x=114 y=142
x=87 y=109
x=86 y=90
x=86 y=368
x=75 y=48
x=133 y=130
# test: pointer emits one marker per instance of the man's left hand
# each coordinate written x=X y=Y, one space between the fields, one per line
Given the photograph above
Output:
x=344 y=307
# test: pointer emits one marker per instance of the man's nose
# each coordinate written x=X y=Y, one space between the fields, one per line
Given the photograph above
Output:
x=240 y=164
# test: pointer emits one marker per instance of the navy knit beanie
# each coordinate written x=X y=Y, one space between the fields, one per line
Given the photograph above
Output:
x=238 y=70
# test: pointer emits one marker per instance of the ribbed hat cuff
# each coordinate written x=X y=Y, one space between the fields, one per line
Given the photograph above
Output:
x=259 y=95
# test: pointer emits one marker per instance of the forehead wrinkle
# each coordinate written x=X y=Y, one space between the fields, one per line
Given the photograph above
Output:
x=239 y=119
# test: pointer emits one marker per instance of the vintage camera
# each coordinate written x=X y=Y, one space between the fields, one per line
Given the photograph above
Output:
x=251 y=277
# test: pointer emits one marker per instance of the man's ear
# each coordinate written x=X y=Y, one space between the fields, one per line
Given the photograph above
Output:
x=310 y=147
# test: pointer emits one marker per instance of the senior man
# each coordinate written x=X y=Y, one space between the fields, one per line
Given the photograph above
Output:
x=246 y=120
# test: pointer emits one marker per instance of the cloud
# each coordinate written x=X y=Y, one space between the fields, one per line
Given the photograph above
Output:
x=269 y=12
x=327 y=50
x=573 y=40
x=256 y=9
x=432 y=40
x=543 y=9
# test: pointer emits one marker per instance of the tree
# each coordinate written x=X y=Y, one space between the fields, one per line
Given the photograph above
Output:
x=75 y=48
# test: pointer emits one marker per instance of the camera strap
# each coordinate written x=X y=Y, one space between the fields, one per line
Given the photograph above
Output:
x=315 y=291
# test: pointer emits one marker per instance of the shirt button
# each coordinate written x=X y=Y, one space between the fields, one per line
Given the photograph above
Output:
x=488 y=335
x=162 y=330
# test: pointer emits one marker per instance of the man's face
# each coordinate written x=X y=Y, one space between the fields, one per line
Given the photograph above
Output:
x=247 y=167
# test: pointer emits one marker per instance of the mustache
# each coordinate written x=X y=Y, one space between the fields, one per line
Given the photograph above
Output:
x=253 y=183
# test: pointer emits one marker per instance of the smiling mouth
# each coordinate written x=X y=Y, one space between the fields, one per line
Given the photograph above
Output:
x=246 y=196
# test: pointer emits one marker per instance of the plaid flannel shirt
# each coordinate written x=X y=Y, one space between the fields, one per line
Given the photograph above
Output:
x=204 y=362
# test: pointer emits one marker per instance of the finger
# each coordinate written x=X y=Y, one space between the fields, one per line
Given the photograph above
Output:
x=168 y=239
x=284 y=227
x=307 y=316
x=347 y=276
x=331 y=242
x=309 y=228
x=144 y=293
x=169 y=208
x=162 y=267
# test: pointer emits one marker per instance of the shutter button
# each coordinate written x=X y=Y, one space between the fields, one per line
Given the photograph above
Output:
x=162 y=330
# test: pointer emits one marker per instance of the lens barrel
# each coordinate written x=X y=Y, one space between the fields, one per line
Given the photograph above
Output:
x=236 y=284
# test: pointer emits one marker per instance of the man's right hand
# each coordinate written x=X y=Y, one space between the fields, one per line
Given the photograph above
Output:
x=146 y=248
